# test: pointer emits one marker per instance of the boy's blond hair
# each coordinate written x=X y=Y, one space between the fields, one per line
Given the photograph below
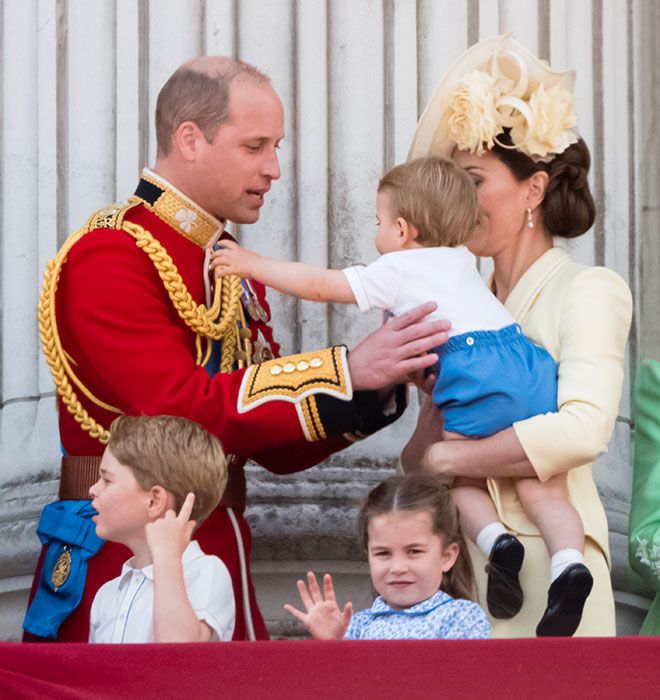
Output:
x=174 y=453
x=436 y=196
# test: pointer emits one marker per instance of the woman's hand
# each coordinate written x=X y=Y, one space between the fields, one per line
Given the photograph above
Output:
x=424 y=382
x=427 y=432
x=323 y=617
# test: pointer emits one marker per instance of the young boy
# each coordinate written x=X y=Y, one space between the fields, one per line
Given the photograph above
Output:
x=488 y=375
x=169 y=591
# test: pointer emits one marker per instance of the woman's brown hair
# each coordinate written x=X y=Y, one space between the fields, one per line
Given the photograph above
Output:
x=568 y=208
x=417 y=492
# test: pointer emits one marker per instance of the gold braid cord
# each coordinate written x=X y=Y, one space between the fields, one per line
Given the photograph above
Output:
x=226 y=306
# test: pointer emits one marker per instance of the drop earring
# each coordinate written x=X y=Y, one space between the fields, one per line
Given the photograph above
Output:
x=530 y=222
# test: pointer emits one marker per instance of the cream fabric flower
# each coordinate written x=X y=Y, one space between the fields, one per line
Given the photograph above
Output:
x=473 y=121
x=550 y=129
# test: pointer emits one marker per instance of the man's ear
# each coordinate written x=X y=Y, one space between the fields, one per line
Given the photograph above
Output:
x=538 y=184
x=187 y=140
x=160 y=501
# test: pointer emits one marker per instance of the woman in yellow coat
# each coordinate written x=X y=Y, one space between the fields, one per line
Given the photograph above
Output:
x=507 y=118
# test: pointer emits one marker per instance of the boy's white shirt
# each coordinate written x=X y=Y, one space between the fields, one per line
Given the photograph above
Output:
x=122 y=611
x=404 y=279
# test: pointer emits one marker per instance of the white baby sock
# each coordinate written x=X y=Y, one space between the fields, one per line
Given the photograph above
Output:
x=488 y=535
x=563 y=559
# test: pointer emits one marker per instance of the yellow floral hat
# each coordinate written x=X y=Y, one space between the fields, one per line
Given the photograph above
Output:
x=496 y=84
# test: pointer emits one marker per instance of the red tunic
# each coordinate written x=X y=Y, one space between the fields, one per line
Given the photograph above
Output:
x=133 y=351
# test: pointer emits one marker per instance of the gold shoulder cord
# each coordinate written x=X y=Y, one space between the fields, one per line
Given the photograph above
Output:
x=226 y=306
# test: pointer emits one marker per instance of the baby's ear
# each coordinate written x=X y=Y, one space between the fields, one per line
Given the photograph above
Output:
x=407 y=232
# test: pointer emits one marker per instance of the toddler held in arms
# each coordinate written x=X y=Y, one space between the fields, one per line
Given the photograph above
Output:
x=489 y=375
x=159 y=478
x=418 y=562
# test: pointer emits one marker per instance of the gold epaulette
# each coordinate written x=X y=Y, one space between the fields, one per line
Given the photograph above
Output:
x=298 y=379
x=111 y=216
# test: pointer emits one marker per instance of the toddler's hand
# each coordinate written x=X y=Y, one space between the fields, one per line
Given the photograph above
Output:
x=231 y=259
x=169 y=536
x=323 y=618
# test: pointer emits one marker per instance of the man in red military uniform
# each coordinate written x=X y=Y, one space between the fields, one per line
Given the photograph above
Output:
x=130 y=324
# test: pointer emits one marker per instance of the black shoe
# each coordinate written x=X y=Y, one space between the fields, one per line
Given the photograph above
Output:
x=504 y=595
x=566 y=597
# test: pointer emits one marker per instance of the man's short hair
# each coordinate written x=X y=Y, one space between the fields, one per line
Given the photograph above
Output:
x=436 y=196
x=174 y=453
x=198 y=96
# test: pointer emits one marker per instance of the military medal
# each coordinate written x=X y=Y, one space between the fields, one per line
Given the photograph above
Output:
x=263 y=316
x=252 y=309
x=261 y=350
x=255 y=310
x=62 y=569
x=258 y=352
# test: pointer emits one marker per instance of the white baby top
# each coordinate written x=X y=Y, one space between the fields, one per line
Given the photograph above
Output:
x=122 y=610
x=404 y=279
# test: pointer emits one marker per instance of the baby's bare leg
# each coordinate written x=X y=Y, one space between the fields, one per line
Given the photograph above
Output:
x=549 y=508
x=475 y=506
x=481 y=523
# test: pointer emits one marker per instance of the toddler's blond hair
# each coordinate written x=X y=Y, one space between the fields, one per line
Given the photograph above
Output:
x=436 y=196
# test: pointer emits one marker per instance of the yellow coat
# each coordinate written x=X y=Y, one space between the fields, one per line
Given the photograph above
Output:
x=581 y=316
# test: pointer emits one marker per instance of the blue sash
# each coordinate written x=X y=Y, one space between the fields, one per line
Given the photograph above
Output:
x=70 y=535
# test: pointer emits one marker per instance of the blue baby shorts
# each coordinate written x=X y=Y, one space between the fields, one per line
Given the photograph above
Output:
x=488 y=380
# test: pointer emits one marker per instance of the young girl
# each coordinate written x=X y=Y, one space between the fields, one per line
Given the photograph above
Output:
x=418 y=562
x=488 y=377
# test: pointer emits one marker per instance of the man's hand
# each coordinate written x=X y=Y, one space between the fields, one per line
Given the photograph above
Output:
x=231 y=259
x=169 y=536
x=324 y=619
x=399 y=347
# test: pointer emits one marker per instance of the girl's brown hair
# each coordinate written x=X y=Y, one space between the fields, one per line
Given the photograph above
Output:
x=568 y=208
x=434 y=195
x=417 y=492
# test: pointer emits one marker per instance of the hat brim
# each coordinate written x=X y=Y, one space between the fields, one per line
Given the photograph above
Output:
x=431 y=134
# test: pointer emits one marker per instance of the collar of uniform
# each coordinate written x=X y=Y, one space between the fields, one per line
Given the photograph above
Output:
x=381 y=607
x=177 y=210
x=190 y=553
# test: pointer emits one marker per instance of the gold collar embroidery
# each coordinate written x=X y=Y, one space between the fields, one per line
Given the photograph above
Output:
x=177 y=210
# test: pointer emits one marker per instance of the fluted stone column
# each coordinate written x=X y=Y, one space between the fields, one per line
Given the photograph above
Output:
x=353 y=75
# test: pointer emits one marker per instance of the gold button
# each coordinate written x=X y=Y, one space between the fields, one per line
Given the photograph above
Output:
x=289 y=367
x=275 y=370
x=302 y=365
x=315 y=362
